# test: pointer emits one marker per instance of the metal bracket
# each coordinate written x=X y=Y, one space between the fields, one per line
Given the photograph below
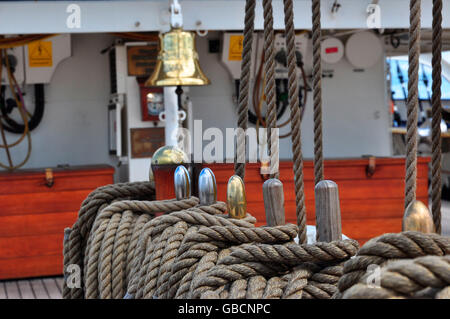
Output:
x=176 y=18
x=370 y=168
x=49 y=181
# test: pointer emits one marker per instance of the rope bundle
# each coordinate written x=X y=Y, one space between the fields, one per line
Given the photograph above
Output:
x=276 y=271
x=422 y=277
x=385 y=248
x=127 y=252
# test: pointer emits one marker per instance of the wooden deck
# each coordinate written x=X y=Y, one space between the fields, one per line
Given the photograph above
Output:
x=36 y=288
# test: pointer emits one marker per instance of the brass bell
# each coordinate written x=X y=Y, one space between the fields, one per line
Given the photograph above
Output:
x=177 y=62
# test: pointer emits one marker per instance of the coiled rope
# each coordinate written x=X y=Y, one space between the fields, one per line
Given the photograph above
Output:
x=422 y=277
x=277 y=271
x=379 y=250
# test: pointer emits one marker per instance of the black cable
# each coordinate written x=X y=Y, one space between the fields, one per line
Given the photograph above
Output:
x=11 y=125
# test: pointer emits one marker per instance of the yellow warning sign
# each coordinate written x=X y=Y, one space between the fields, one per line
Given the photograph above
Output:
x=40 y=54
x=235 y=49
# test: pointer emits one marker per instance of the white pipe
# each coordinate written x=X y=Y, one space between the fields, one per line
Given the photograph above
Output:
x=171 y=115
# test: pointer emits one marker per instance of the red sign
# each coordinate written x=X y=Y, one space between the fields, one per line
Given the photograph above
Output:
x=331 y=50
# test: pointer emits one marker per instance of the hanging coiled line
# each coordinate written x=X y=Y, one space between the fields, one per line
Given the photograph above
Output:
x=269 y=89
x=295 y=120
x=317 y=89
x=413 y=104
x=436 y=187
x=244 y=89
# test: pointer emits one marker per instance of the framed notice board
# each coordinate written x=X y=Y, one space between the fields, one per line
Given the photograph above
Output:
x=145 y=141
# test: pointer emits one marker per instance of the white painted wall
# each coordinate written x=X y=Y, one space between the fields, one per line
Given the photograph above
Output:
x=355 y=114
x=74 y=127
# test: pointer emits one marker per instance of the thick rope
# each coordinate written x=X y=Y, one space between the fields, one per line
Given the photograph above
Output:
x=317 y=89
x=150 y=237
x=307 y=271
x=269 y=88
x=244 y=89
x=97 y=200
x=110 y=239
x=411 y=278
x=436 y=186
x=295 y=121
x=413 y=102
x=391 y=246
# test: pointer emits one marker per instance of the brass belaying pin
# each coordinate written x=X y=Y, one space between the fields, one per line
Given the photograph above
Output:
x=236 y=199
x=182 y=182
x=274 y=202
x=207 y=187
x=417 y=217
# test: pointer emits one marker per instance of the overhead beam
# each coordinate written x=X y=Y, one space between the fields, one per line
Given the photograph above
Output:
x=26 y=17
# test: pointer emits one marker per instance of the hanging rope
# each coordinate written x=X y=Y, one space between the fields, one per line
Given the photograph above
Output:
x=244 y=88
x=295 y=120
x=436 y=186
x=269 y=89
x=413 y=102
x=317 y=89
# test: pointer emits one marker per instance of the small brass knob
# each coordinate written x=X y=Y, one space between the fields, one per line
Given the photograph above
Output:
x=236 y=199
x=418 y=218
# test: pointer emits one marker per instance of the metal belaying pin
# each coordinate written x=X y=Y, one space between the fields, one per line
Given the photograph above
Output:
x=182 y=182
x=236 y=199
x=417 y=217
x=274 y=202
x=207 y=187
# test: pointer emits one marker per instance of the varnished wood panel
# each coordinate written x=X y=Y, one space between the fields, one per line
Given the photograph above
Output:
x=41 y=203
x=61 y=183
x=33 y=216
x=38 y=224
x=30 y=246
x=37 y=266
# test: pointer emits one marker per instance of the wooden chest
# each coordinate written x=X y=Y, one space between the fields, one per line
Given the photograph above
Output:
x=370 y=206
x=33 y=216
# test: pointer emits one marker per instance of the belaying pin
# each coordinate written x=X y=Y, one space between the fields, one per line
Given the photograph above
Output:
x=236 y=199
x=418 y=218
x=207 y=187
x=182 y=182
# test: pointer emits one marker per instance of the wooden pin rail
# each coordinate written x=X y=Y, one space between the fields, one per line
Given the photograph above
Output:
x=370 y=206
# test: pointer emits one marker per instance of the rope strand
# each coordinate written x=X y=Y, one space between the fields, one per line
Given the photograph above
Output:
x=244 y=88
x=317 y=89
x=437 y=116
x=413 y=103
x=295 y=120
